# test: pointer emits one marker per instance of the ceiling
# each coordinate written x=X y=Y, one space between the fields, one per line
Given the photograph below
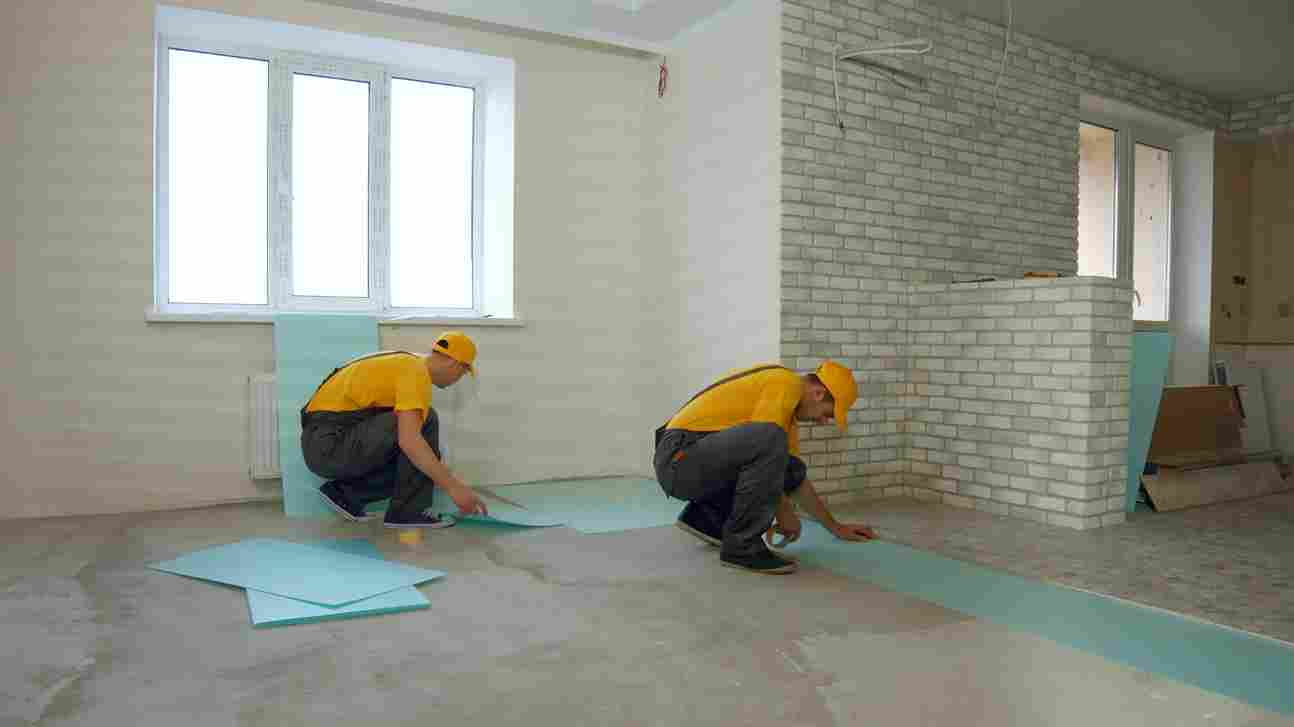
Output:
x=643 y=25
x=1231 y=50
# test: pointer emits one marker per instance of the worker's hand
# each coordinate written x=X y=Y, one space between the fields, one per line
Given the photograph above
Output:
x=853 y=531
x=787 y=524
x=468 y=502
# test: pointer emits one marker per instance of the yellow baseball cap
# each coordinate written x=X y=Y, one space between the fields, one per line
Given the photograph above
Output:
x=456 y=345
x=840 y=382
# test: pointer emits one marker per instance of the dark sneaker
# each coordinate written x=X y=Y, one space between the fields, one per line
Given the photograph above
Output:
x=699 y=521
x=425 y=519
x=762 y=561
x=337 y=500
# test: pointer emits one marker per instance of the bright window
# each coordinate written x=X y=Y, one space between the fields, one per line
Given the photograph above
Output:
x=330 y=187
x=218 y=162
x=1097 y=201
x=1152 y=232
x=431 y=194
x=1125 y=208
x=295 y=182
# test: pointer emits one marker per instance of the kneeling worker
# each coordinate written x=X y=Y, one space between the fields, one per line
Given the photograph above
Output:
x=732 y=452
x=370 y=430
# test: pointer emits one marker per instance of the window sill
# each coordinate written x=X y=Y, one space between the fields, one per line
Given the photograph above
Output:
x=1152 y=325
x=158 y=316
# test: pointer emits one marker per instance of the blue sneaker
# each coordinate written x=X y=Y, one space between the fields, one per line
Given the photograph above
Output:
x=701 y=522
x=762 y=561
x=425 y=519
x=337 y=500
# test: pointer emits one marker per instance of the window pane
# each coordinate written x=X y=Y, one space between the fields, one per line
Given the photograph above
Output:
x=1096 y=201
x=431 y=195
x=1152 y=231
x=329 y=187
x=216 y=181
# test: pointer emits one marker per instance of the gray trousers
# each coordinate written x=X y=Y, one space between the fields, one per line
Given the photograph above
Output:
x=360 y=452
x=741 y=471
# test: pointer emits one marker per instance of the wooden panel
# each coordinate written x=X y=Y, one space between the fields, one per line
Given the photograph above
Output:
x=1272 y=239
x=1197 y=424
x=1173 y=489
x=1231 y=244
x=1253 y=240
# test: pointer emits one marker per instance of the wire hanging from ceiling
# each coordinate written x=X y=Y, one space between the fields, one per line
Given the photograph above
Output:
x=1006 y=49
x=859 y=55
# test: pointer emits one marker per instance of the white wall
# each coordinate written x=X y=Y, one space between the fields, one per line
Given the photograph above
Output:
x=115 y=414
x=1192 y=264
x=719 y=209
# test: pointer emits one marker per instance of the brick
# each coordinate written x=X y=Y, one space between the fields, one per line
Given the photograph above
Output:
x=1047 y=503
x=1071 y=521
x=1086 y=508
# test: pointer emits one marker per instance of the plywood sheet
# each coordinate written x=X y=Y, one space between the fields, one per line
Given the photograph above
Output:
x=1272 y=238
x=1197 y=420
x=1175 y=489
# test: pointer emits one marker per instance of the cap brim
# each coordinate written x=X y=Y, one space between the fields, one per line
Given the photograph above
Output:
x=842 y=416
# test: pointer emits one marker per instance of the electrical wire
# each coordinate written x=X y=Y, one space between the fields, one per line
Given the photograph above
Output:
x=905 y=47
x=835 y=86
x=1006 y=48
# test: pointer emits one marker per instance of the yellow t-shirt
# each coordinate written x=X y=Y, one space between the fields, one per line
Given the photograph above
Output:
x=767 y=396
x=397 y=381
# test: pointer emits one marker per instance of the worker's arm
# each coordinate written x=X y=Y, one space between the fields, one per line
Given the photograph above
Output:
x=409 y=436
x=785 y=523
x=808 y=499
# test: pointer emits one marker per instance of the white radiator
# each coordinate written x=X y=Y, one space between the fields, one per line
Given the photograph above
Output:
x=263 y=425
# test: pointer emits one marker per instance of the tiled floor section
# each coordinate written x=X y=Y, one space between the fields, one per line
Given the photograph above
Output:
x=542 y=627
x=1232 y=563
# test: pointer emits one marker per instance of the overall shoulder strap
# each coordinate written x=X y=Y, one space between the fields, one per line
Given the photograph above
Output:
x=355 y=360
x=721 y=382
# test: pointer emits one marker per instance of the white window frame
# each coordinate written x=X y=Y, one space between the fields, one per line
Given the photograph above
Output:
x=283 y=64
x=1133 y=126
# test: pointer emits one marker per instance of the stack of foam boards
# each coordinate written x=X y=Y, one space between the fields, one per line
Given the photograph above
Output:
x=292 y=583
x=1198 y=450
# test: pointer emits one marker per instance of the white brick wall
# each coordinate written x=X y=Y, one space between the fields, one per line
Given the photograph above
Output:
x=1021 y=397
x=1263 y=115
x=930 y=187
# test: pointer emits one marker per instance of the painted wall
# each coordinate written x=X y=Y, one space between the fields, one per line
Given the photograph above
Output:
x=1192 y=267
x=718 y=212
x=114 y=414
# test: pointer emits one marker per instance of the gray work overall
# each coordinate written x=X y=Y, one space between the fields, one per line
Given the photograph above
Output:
x=360 y=451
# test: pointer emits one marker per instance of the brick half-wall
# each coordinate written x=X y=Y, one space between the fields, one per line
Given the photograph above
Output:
x=1021 y=397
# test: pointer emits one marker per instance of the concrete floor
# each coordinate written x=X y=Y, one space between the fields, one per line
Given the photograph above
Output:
x=546 y=626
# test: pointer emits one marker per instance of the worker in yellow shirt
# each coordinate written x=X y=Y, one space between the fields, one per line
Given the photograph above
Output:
x=371 y=431
x=733 y=453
